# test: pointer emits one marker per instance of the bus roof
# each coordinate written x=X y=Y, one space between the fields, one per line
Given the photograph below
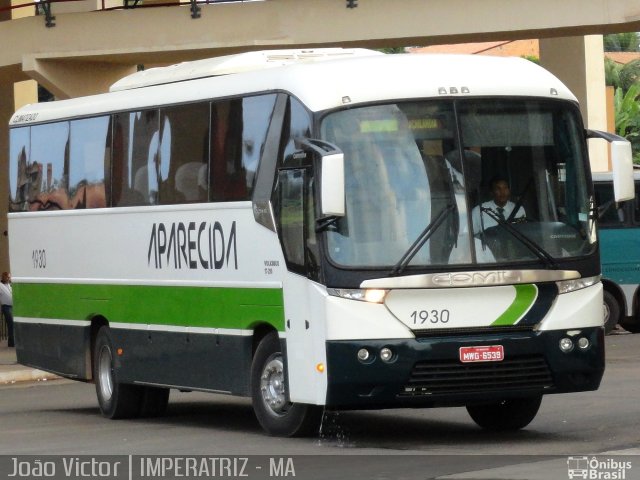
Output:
x=324 y=82
x=232 y=64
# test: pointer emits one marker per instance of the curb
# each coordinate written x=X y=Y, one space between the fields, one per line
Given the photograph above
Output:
x=26 y=375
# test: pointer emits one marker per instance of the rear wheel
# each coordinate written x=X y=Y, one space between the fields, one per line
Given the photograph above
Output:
x=611 y=312
x=116 y=400
x=631 y=325
x=276 y=414
x=507 y=415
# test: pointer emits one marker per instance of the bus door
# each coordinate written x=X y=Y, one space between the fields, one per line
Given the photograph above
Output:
x=303 y=305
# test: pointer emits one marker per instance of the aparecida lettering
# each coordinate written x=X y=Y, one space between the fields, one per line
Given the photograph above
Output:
x=193 y=245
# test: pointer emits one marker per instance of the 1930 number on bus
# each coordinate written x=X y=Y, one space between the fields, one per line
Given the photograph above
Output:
x=420 y=317
x=39 y=259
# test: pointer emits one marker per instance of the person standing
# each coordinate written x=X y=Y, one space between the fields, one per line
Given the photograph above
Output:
x=6 y=299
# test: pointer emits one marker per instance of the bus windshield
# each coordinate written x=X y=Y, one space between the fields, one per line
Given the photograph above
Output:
x=433 y=183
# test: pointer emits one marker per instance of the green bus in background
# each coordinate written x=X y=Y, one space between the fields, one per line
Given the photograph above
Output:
x=619 y=253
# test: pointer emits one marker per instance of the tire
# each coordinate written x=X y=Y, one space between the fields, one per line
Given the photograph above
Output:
x=270 y=399
x=611 y=312
x=154 y=401
x=116 y=400
x=507 y=415
x=631 y=324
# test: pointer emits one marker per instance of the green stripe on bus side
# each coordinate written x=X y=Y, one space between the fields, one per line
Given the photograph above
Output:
x=238 y=308
x=525 y=296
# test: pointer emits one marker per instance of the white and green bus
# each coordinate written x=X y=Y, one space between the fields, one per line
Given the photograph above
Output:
x=295 y=226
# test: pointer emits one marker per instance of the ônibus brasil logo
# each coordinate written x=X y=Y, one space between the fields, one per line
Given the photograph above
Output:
x=597 y=469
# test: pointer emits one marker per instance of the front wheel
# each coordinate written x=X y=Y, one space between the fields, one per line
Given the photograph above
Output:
x=507 y=415
x=275 y=413
x=611 y=312
x=116 y=400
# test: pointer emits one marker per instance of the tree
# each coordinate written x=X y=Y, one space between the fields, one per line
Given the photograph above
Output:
x=629 y=74
x=611 y=73
x=627 y=114
x=622 y=42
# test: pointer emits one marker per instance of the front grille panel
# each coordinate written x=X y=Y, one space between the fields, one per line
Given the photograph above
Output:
x=439 y=332
x=441 y=377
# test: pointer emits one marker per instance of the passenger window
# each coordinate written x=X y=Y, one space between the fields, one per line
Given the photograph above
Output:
x=238 y=133
x=184 y=153
x=49 y=167
x=135 y=151
x=22 y=177
x=90 y=156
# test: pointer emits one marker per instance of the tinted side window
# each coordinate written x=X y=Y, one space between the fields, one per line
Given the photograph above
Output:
x=610 y=213
x=291 y=204
x=135 y=152
x=636 y=204
x=297 y=124
x=22 y=177
x=49 y=167
x=301 y=250
x=184 y=153
x=238 y=132
x=90 y=156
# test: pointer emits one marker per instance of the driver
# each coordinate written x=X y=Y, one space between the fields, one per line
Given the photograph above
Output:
x=500 y=206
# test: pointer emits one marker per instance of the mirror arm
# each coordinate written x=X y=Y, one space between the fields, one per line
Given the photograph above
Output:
x=609 y=137
x=320 y=147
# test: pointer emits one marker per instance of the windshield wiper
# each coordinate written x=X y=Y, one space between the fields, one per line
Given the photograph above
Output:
x=420 y=241
x=325 y=222
x=540 y=252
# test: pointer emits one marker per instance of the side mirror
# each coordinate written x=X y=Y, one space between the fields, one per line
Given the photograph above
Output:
x=621 y=164
x=332 y=181
x=332 y=185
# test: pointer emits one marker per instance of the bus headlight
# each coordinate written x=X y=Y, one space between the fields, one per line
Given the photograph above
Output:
x=371 y=295
x=566 y=286
x=363 y=354
x=583 y=343
x=386 y=355
x=566 y=345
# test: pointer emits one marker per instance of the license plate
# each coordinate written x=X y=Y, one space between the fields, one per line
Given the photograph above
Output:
x=493 y=353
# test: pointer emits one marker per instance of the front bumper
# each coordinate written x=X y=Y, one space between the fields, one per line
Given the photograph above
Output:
x=427 y=372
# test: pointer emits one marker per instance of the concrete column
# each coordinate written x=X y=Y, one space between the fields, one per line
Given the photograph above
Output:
x=579 y=63
x=6 y=110
x=5 y=14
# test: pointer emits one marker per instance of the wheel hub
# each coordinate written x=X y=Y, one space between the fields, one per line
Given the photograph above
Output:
x=272 y=385
x=105 y=372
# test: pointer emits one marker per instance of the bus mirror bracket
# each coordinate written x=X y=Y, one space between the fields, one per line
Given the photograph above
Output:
x=332 y=181
x=621 y=164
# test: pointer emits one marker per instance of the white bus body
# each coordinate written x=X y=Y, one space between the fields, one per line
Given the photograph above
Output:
x=173 y=234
